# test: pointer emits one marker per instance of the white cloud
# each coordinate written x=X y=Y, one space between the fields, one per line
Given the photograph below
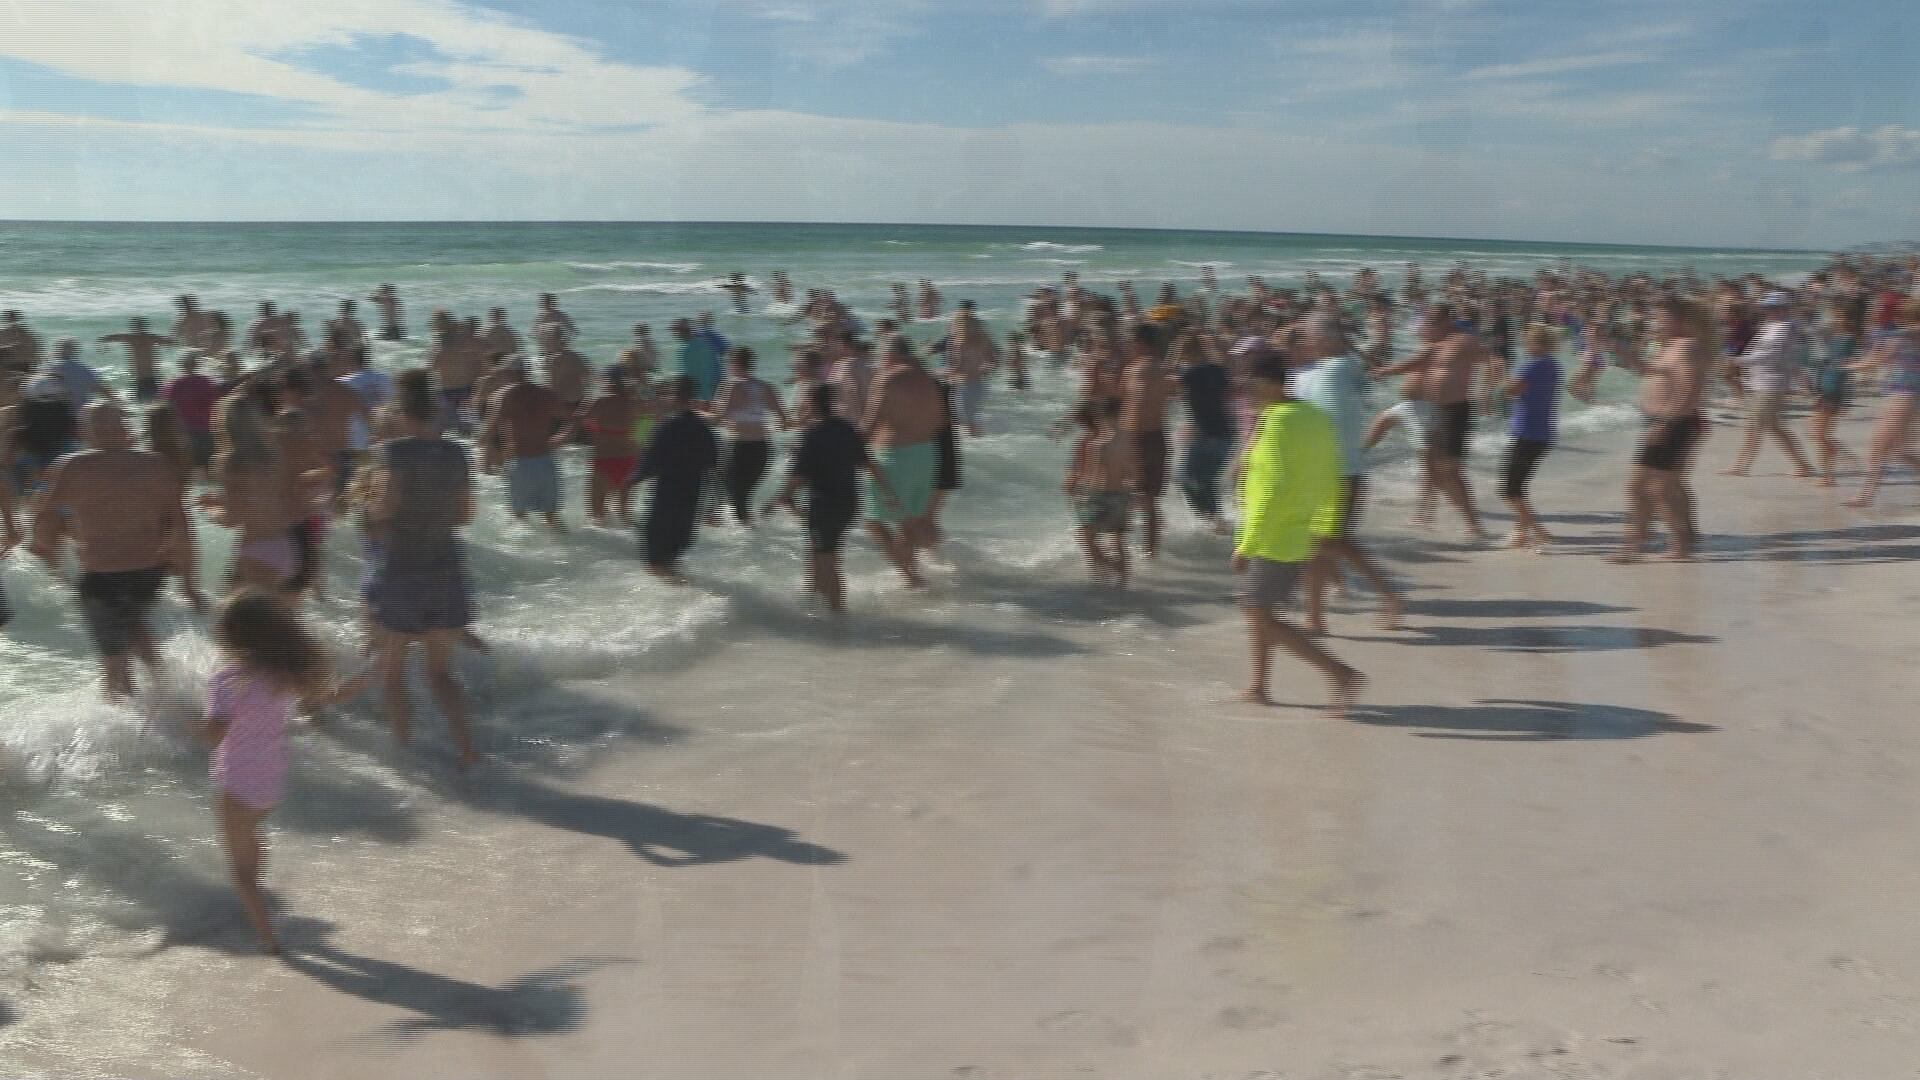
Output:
x=837 y=33
x=1097 y=65
x=1560 y=65
x=1852 y=150
x=550 y=81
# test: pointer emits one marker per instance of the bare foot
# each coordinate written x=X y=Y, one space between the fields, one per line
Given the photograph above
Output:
x=1860 y=502
x=1624 y=558
x=1735 y=471
x=1346 y=689
x=1254 y=697
x=1392 y=607
x=1826 y=481
x=1517 y=540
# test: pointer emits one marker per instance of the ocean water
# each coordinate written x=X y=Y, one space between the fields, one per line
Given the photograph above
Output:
x=105 y=839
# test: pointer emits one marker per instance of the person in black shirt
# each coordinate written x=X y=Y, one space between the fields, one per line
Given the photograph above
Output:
x=1206 y=388
x=679 y=459
x=828 y=463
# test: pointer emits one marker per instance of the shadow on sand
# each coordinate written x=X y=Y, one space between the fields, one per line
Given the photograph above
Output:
x=544 y=1002
x=1548 y=640
x=662 y=837
x=1510 y=609
x=1509 y=720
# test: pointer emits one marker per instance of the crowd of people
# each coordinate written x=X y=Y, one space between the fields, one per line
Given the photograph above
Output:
x=275 y=439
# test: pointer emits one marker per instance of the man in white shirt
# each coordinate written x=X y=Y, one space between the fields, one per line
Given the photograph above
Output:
x=82 y=382
x=1769 y=362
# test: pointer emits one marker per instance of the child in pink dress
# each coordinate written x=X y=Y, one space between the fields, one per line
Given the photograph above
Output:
x=273 y=664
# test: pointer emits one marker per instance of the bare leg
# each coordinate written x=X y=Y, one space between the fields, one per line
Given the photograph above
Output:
x=1453 y=483
x=246 y=858
x=1096 y=556
x=1671 y=496
x=447 y=693
x=1346 y=681
x=1638 y=513
x=117 y=672
x=393 y=680
x=1391 y=602
x=1260 y=646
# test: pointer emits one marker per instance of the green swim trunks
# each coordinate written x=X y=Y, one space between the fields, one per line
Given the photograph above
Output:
x=909 y=470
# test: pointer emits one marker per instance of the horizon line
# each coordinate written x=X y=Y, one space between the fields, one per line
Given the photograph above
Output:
x=905 y=225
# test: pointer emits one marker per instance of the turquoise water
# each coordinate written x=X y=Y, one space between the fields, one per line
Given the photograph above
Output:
x=106 y=833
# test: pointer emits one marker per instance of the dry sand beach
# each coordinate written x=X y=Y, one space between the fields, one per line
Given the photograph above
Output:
x=1592 y=821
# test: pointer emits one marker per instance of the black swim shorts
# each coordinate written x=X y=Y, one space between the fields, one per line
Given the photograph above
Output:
x=115 y=607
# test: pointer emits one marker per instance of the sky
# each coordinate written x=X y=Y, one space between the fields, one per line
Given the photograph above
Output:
x=1757 y=123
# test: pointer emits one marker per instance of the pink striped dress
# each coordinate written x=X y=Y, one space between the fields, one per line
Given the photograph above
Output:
x=250 y=763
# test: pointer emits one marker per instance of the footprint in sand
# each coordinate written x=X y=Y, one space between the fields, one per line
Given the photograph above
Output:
x=1076 y=1022
x=1248 y=1018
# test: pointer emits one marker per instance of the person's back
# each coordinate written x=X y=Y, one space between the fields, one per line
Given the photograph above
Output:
x=528 y=415
x=432 y=477
x=1206 y=389
x=120 y=506
x=907 y=408
x=682 y=453
x=1536 y=407
x=1337 y=387
x=829 y=458
x=1292 y=475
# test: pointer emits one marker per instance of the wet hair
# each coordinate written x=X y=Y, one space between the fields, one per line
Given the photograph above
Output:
x=823 y=397
x=742 y=356
x=413 y=391
x=269 y=642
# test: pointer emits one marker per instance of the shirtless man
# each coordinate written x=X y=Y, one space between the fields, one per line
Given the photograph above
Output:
x=20 y=348
x=971 y=359
x=387 y=301
x=903 y=419
x=333 y=410
x=642 y=358
x=782 y=288
x=1146 y=389
x=499 y=338
x=609 y=424
x=1671 y=391
x=122 y=509
x=1448 y=366
x=569 y=376
x=929 y=300
x=143 y=356
x=902 y=304
x=455 y=368
x=527 y=418
x=344 y=334
x=739 y=289
x=193 y=329
x=266 y=334
x=553 y=329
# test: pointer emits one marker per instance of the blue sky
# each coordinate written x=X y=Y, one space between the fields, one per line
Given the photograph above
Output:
x=1758 y=123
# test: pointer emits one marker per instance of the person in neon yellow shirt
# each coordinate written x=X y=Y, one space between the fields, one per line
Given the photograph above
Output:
x=1292 y=478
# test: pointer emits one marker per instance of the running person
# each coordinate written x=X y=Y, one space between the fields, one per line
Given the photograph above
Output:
x=827 y=465
x=1535 y=390
x=749 y=408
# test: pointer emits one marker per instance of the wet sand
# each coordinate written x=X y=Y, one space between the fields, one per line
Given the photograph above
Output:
x=1591 y=821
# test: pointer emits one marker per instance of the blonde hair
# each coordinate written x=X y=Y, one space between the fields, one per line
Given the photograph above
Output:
x=1542 y=339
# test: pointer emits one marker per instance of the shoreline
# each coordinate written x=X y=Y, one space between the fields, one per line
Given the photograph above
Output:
x=1601 y=818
